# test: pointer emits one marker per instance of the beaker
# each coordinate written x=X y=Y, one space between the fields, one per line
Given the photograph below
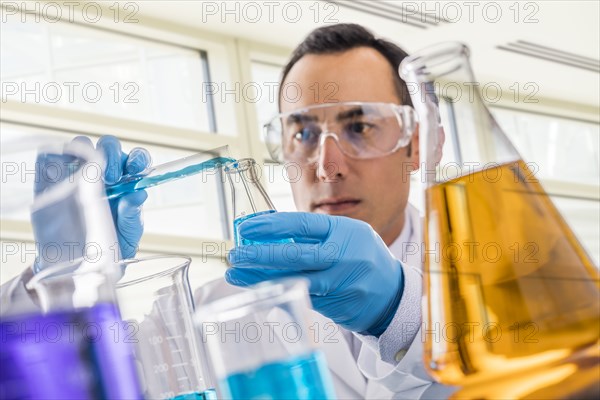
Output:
x=260 y=345
x=249 y=198
x=156 y=301
x=60 y=326
x=507 y=286
x=75 y=347
x=170 y=171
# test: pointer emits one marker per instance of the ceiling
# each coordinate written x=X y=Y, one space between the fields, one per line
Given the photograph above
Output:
x=571 y=27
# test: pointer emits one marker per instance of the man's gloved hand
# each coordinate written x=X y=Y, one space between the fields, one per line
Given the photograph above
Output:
x=127 y=209
x=60 y=227
x=354 y=279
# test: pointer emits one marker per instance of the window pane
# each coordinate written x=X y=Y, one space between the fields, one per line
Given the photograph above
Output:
x=18 y=166
x=583 y=217
x=266 y=76
x=89 y=69
x=277 y=181
x=190 y=207
x=564 y=149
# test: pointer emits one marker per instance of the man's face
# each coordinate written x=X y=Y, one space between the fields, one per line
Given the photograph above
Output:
x=373 y=190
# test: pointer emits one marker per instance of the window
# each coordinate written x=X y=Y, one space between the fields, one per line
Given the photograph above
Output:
x=88 y=69
x=266 y=77
x=185 y=208
x=564 y=149
x=566 y=153
x=65 y=79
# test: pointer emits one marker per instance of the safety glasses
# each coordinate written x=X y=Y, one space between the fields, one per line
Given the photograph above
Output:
x=361 y=130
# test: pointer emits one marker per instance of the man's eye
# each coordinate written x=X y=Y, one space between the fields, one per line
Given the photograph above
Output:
x=305 y=135
x=358 y=128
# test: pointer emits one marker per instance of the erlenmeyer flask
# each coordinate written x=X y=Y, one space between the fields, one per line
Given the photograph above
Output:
x=249 y=197
x=507 y=286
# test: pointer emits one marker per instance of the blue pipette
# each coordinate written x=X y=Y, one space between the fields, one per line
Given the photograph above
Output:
x=168 y=172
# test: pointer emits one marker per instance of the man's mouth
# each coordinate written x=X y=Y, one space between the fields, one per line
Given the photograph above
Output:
x=336 y=205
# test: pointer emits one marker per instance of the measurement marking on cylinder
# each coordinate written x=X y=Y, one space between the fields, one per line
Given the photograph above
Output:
x=184 y=378
x=180 y=365
x=173 y=337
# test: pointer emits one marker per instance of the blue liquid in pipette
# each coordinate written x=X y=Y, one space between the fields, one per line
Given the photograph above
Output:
x=238 y=241
x=305 y=377
x=209 y=394
x=140 y=182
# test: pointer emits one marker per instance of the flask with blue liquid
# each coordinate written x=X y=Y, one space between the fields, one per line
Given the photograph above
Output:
x=249 y=197
x=261 y=346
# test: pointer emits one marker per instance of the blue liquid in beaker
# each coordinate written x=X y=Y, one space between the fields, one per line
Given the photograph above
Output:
x=304 y=377
x=79 y=354
x=238 y=241
x=208 y=394
x=143 y=181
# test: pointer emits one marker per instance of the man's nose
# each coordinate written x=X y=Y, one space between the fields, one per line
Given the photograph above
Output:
x=331 y=164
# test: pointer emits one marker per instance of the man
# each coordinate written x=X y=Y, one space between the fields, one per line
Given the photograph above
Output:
x=346 y=174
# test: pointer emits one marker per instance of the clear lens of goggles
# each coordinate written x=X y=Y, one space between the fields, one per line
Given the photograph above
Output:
x=362 y=130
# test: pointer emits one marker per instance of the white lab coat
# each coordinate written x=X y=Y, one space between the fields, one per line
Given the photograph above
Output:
x=356 y=362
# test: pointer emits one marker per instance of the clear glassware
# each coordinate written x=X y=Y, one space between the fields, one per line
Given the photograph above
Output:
x=508 y=289
x=156 y=301
x=56 y=188
x=249 y=197
x=60 y=327
x=170 y=171
x=260 y=346
x=76 y=347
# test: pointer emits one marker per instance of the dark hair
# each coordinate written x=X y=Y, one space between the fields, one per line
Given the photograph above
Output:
x=343 y=37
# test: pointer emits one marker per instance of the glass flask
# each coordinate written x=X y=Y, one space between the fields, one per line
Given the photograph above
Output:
x=259 y=344
x=249 y=197
x=508 y=288
x=156 y=302
x=60 y=327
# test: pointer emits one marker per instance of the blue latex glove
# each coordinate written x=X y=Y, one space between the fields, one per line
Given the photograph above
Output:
x=62 y=224
x=354 y=279
x=126 y=210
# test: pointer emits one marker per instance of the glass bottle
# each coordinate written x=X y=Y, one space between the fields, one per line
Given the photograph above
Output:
x=249 y=197
x=508 y=288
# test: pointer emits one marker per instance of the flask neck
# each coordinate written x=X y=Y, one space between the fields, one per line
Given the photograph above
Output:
x=248 y=195
x=458 y=135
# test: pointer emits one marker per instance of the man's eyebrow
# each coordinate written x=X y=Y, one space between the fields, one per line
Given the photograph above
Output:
x=348 y=114
x=295 y=118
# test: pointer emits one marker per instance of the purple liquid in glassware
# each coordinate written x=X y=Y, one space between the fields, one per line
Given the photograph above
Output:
x=76 y=354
